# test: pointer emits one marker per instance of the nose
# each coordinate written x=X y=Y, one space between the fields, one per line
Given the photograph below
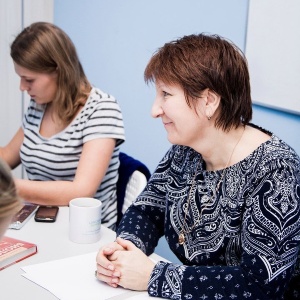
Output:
x=23 y=85
x=156 y=110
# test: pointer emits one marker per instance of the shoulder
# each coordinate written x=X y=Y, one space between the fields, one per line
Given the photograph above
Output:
x=273 y=148
x=274 y=159
x=97 y=96
x=102 y=103
x=277 y=149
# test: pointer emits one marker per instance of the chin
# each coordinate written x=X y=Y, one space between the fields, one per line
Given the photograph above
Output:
x=171 y=140
x=174 y=141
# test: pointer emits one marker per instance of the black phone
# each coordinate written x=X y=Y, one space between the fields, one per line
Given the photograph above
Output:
x=46 y=213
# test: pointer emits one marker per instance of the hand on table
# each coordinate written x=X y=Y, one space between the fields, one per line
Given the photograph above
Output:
x=106 y=270
x=122 y=263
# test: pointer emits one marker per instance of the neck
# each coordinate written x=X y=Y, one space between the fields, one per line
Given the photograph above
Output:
x=223 y=149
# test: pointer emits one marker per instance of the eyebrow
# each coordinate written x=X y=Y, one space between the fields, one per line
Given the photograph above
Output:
x=26 y=77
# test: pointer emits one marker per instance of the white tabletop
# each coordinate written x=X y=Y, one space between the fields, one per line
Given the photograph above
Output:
x=53 y=243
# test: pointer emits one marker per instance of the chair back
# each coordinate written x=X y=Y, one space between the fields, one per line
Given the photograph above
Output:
x=133 y=177
x=135 y=186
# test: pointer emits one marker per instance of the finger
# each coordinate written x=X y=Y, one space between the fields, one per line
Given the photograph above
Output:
x=106 y=271
x=125 y=244
x=109 y=270
x=104 y=261
x=113 y=257
x=108 y=250
x=112 y=281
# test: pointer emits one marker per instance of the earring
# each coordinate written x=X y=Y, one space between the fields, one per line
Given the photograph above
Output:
x=208 y=118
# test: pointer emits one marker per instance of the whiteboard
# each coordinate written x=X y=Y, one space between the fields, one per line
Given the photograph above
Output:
x=273 y=53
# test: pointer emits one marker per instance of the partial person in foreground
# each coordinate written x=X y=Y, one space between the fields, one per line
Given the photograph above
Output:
x=225 y=195
x=71 y=135
x=10 y=203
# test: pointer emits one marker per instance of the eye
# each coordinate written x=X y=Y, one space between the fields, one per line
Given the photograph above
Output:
x=29 y=80
x=165 y=94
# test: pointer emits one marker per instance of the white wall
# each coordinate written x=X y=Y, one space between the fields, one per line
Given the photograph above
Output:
x=10 y=100
x=14 y=15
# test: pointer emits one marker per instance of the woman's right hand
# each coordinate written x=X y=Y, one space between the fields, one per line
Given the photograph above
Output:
x=106 y=271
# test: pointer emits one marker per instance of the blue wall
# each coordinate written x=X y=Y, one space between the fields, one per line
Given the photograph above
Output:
x=116 y=38
x=285 y=125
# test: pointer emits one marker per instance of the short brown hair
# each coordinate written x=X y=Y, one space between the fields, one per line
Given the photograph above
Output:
x=45 y=48
x=197 y=62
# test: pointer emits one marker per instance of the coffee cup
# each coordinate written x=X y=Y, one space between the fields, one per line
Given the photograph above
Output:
x=84 y=220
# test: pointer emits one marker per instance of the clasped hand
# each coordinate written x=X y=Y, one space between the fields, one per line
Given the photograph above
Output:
x=122 y=263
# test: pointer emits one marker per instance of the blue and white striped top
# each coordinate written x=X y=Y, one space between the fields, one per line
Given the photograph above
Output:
x=57 y=157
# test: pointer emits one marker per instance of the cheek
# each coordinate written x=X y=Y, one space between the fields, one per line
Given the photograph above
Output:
x=50 y=88
x=53 y=86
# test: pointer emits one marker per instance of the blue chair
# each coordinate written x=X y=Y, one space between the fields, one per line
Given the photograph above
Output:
x=133 y=177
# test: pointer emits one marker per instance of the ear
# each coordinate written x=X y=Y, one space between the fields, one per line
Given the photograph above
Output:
x=212 y=102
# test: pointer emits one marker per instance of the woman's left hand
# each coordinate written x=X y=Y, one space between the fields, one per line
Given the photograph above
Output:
x=135 y=267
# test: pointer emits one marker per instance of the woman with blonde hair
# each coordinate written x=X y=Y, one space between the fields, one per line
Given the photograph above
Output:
x=71 y=135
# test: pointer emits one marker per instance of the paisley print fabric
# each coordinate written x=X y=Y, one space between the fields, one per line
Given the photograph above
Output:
x=241 y=241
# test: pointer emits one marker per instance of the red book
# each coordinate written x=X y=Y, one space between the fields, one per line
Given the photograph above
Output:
x=13 y=251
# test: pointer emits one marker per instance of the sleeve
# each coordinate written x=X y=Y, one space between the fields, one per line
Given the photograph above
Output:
x=143 y=222
x=105 y=120
x=269 y=239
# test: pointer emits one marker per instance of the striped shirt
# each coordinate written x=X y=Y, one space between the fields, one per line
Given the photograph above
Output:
x=57 y=157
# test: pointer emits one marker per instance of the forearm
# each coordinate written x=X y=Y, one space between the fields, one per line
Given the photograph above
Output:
x=147 y=235
x=197 y=282
x=50 y=192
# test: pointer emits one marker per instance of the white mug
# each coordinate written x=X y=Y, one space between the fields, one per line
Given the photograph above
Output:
x=84 y=220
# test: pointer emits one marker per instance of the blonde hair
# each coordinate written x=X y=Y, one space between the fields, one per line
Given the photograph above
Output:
x=10 y=203
x=45 y=48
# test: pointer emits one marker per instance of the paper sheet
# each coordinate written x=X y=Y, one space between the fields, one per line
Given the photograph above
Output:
x=73 y=279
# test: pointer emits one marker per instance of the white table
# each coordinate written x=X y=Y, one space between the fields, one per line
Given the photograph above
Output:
x=53 y=243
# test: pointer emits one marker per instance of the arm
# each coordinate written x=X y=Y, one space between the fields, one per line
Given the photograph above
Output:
x=93 y=163
x=151 y=219
x=269 y=246
x=113 y=263
x=265 y=251
x=11 y=152
x=144 y=221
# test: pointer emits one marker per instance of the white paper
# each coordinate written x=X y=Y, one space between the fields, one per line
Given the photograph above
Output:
x=73 y=278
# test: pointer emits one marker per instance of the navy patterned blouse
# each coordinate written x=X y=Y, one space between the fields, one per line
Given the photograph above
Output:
x=241 y=241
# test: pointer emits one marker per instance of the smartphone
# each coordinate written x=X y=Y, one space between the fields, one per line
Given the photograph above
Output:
x=46 y=213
